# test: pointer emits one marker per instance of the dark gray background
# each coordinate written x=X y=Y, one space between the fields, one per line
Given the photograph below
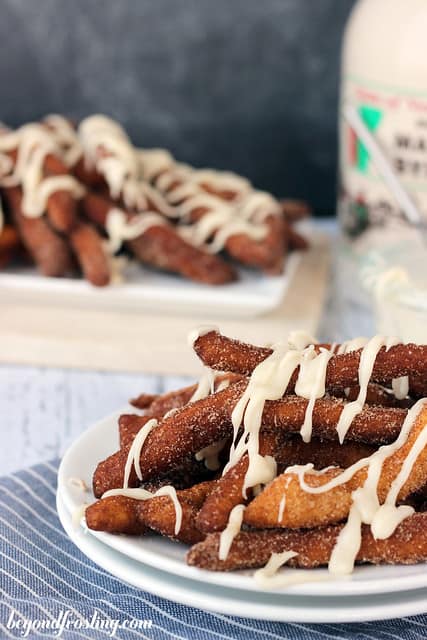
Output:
x=248 y=85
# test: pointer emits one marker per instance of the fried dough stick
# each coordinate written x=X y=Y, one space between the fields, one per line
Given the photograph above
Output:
x=190 y=471
x=214 y=514
x=407 y=545
x=87 y=245
x=62 y=213
x=159 y=405
x=304 y=509
x=121 y=514
x=49 y=251
x=201 y=423
x=226 y=354
x=267 y=254
x=161 y=246
x=61 y=207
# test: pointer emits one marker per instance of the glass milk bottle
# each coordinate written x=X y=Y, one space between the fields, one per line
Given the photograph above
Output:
x=384 y=76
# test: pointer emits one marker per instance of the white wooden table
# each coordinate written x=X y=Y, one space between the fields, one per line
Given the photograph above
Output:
x=43 y=410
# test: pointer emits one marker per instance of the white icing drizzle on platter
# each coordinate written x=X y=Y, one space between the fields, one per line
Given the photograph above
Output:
x=151 y=178
x=120 y=229
x=33 y=142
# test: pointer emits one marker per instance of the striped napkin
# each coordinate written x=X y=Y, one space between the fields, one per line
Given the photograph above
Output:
x=50 y=589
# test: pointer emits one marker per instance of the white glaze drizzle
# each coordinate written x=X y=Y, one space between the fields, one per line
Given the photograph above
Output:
x=311 y=384
x=268 y=381
x=33 y=143
x=300 y=340
x=206 y=385
x=66 y=136
x=231 y=530
x=133 y=459
x=282 y=505
x=120 y=229
x=143 y=494
x=366 y=365
x=352 y=345
x=152 y=177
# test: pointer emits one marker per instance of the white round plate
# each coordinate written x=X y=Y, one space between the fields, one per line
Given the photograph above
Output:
x=236 y=602
x=101 y=440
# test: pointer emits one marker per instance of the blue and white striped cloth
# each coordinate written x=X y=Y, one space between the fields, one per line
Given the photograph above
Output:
x=44 y=575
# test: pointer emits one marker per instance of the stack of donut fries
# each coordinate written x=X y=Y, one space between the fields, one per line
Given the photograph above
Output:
x=303 y=454
x=75 y=196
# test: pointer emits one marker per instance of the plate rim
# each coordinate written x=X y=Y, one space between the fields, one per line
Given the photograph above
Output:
x=142 y=295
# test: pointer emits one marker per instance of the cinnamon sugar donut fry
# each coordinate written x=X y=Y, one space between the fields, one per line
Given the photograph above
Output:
x=88 y=247
x=159 y=513
x=226 y=354
x=201 y=423
x=123 y=514
x=115 y=514
x=159 y=405
x=34 y=154
x=267 y=254
x=215 y=210
x=161 y=518
x=161 y=246
x=62 y=206
x=144 y=400
x=129 y=425
x=302 y=508
x=49 y=251
x=314 y=547
x=228 y=225
x=228 y=492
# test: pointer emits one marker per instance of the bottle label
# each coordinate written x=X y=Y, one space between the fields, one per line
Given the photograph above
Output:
x=398 y=120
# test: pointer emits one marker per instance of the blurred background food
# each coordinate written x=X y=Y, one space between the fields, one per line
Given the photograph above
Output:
x=240 y=85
